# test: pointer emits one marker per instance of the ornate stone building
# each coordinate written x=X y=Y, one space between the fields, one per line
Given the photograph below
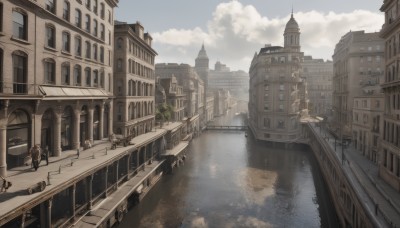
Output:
x=134 y=87
x=56 y=75
x=389 y=164
x=357 y=61
x=202 y=69
x=318 y=75
x=174 y=97
x=275 y=83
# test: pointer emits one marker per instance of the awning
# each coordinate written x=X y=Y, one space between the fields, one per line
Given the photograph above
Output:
x=177 y=149
x=52 y=92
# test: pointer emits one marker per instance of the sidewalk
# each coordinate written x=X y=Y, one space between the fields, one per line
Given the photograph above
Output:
x=365 y=172
x=69 y=164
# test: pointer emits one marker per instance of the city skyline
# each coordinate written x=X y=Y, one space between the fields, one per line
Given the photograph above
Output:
x=224 y=26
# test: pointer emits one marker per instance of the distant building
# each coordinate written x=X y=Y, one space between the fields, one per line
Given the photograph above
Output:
x=237 y=82
x=209 y=106
x=318 y=75
x=193 y=89
x=202 y=69
x=357 y=61
x=389 y=166
x=56 y=80
x=134 y=86
x=174 y=97
x=275 y=89
x=221 y=102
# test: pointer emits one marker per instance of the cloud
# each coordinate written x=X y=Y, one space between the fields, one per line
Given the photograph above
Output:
x=236 y=31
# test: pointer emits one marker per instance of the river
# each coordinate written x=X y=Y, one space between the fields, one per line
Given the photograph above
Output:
x=230 y=180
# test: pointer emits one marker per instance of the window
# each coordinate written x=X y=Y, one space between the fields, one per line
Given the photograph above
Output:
x=266 y=106
x=94 y=51
x=50 y=6
x=281 y=124
x=109 y=17
x=369 y=59
x=266 y=87
x=50 y=36
x=1 y=16
x=77 y=75
x=88 y=79
x=281 y=107
x=281 y=96
x=19 y=72
x=87 y=44
x=95 y=27
x=66 y=11
x=102 y=54
x=66 y=42
x=281 y=87
x=102 y=31
x=65 y=74
x=119 y=64
x=95 y=6
x=49 y=71
x=78 y=18
x=119 y=43
x=87 y=23
x=87 y=4
x=19 y=25
x=102 y=79
x=78 y=46
x=95 y=78
x=109 y=37
x=378 y=59
x=102 y=10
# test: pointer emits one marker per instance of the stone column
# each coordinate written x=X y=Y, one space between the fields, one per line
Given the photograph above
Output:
x=110 y=118
x=90 y=192
x=101 y=121
x=57 y=133
x=3 y=151
x=75 y=137
x=73 y=199
x=48 y=216
x=90 y=124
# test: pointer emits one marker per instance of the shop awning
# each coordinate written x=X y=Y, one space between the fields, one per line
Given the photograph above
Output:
x=52 y=92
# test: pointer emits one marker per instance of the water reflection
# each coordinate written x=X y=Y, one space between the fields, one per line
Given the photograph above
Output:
x=230 y=180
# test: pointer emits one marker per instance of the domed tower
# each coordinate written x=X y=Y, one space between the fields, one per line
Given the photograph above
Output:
x=202 y=64
x=292 y=35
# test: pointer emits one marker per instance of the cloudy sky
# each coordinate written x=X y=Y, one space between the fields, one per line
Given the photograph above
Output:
x=233 y=31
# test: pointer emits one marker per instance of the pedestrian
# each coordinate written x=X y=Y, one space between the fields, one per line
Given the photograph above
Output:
x=36 y=156
x=46 y=154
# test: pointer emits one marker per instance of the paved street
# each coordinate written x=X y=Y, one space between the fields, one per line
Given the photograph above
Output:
x=374 y=191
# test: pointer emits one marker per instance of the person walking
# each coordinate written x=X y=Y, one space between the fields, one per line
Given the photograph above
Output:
x=46 y=154
x=36 y=156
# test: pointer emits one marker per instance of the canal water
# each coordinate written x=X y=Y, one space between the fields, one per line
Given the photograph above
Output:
x=230 y=180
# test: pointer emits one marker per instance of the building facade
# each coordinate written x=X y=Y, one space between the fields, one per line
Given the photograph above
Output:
x=237 y=82
x=389 y=166
x=318 y=75
x=357 y=60
x=56 y=80
x=174 y=97
x=134 y=87
x=274 y=97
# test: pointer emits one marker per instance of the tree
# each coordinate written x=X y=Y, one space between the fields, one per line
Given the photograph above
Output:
x=164 y=112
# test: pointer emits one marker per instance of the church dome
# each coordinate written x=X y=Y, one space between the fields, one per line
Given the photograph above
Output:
x=292 y=24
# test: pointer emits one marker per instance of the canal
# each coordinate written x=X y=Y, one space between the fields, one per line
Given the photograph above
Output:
x=230 y=180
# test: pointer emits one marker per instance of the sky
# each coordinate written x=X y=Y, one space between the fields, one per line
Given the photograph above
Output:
x=233 y=30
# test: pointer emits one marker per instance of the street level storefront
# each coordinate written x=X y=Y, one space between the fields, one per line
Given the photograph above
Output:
x=58 y=125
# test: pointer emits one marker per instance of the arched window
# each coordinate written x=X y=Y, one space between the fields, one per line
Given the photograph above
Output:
x=95 y=6
x=87 y=4
x=102 y=10
x=51 y=6
x=95 y=78
x=102 y=54
x=119 y=43
x=66 y=40
x=49 y=71
x=77 y=75
x=78 y=18
x=65 y=74
x=95 y=51
x=102 y=79
x=102 y=32
x=119 y=87
x=119 y=65
x=50 y=36
x=87 y=44
x=78 y=46
x=19 y=25
x=66 y=10
x=87 y=23
x=88 y=79
x=95 y=27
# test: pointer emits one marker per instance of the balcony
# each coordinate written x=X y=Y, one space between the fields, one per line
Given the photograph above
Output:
x=17 y=89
